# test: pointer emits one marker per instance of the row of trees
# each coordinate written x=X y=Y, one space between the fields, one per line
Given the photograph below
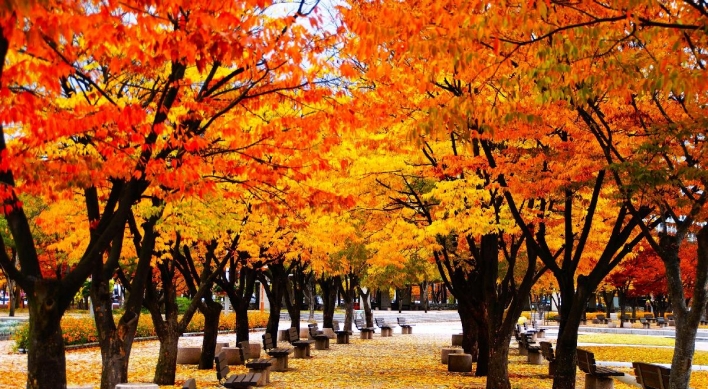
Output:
x=499 y=147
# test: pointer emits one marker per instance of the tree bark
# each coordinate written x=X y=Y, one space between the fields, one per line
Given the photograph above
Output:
x=212 y=312
x=46 y=364
x=275 y=291
x=687 y=321
x=366 y=302
x=348 y=287
x=574 y=299
x=329 y=296
x=469 y=330
x=116 y=340
x=498 y=373
x=424 y=295
x=240 y=297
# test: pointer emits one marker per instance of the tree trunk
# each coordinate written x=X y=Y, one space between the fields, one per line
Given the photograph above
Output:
x=574 y=299
x=329 y=296
x=366 y=302
x=242 y=330
x=482 y=344
x=311 y=296
x=566 y=360
x=348 y=287
x=498 y=372
x=166 y=368
x=11 y=297
x=424 y=295
x=687 y=321
x=240 y=297
x=212 y=312
x=46 y=363
x=275 y=292
x=168 y=329
x=115 y=340
x=469 y=330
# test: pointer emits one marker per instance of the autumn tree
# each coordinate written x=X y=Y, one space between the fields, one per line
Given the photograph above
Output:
x=124 y=109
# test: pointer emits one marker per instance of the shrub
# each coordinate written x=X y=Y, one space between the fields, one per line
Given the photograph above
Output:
x=81 y=330
x=183 y=304
x=552 y=316
x=21 y=337
x=257 y=319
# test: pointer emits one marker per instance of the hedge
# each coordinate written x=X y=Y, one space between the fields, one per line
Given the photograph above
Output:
x=81 y=330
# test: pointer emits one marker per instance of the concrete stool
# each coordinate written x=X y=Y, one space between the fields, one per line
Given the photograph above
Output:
x=460 y=363
x=523 y=351
x=534 y=357
x=386 y=331
x=219 y=346
x=594 y=382
x=446 y=351
x=457 y=340
x=188 y=355
x=322 y=344
x=254 y=349
x=301 y=351
x=343 y=337
x=329 y=332
x=279 y=363
x=283 y=335
x=305 y=334
x=232 y=355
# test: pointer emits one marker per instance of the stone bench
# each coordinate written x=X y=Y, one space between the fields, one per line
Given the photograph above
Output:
x=446 y=351
x=459 y=362
x=188 y=355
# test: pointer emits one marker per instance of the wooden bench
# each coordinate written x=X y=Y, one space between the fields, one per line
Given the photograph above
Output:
x=525 y=342
x=190 y=384
x=386 y=329
x=406 y=328
x=651 y=376
x=528 y=347
x=526 y=331
x=235 y=381
x=302 y=347
x=280 y=354
x=256 y=365
x=342 y=335
x=321 y=340
x=595 y=377
x=366 y=332
x=550 y=356
x=540 y=332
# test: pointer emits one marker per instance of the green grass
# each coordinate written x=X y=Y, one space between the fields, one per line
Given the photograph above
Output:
x=641 y=354
x=642 y=340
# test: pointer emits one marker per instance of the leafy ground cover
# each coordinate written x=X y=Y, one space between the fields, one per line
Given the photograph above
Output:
x=397 y=362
